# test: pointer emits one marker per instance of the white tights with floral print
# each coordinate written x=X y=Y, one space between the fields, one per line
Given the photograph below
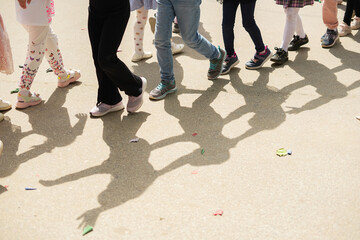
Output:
x=42 y=41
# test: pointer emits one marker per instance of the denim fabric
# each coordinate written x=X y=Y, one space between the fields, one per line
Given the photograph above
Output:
x=188 y=16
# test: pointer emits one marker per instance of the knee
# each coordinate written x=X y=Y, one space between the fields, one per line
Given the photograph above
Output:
x=106 y=61
x=192 y=41
x=249 y=24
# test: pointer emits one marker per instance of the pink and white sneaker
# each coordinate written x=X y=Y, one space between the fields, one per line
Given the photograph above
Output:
x=135 y=103
x=72 y=76
x=102 y=109
x=27 y=99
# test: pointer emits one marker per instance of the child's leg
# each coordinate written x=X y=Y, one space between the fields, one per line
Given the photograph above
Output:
x=54 y=58
x=34 y=56
x=329 y=14
x=348 y=12
x=53 y=54
x=290 y=26
x=247 y=11
x=228 y=22
x=188 y=14
x=299 y=27
x=141 y=17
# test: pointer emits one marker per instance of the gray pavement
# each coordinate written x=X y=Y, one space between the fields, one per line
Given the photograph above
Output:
x=87 y=173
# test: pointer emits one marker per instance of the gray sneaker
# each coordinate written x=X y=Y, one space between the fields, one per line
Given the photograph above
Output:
x=162 y=90
x=216 y=65
x=135 y=103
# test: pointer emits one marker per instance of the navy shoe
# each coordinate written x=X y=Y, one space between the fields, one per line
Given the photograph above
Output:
x=258 y=60
x=229 y=63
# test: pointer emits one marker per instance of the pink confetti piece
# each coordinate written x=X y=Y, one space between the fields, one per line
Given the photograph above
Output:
x=83 y=29
x=219 y=212
x=194 y=172
x=194 y=134
x=6 y=186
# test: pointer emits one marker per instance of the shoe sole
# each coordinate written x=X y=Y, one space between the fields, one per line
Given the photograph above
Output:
x=67 y=83
x=329 y=46
x=222 y=63
x=115 y=109
x=5 y=108
x=280 y=62
x=254 y=68
x=234 y=64
x=164 y=95
x=23 y=105
x=142 y=98
x=152 y=22
x=294 y=49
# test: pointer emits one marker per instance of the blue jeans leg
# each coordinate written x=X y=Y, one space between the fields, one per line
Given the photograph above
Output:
x=163 y=32
x=188 y=15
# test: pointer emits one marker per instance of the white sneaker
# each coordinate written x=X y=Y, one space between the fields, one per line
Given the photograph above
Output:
x=176 y=48
x=138 y=57
x=355 y=24
x=135 y=103
x=102 y=109
x=344 y=29
x=4 y=105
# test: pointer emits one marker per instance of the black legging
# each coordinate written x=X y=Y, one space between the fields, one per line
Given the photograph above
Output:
x=351 y=5
x=247 y=12
x=106 y=30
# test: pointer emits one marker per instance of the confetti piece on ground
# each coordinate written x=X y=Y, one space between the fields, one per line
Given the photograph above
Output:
x=6 y=186
x=87 y=229
x=202 y=151
x=20 y=66
x=83 y=29
x=49 y=70
x=15 y=91
x=219 y=212
x=135 y=140
x=30 y=188
x=281 y=152
x=194 y=134
x=289 y=152
x=119 y=50
x=194 y=172
x=357 y=117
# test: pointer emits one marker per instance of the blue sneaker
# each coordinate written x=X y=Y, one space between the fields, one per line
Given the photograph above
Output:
x=162 y=90
x=229 y=63
x=258 y=60
x=330 y=38
x=216 y=65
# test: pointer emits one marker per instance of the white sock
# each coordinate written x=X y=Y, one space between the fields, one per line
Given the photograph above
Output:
x=290 y=26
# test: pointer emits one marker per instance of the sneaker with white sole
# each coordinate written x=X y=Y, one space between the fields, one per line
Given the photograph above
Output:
x=4 y=105
x=102 y=109
x=162 y=89
x=27 y=99
x=134 y=103
x=344 y=29
x=216 y=65
x=176 y=47
x=355 y=24
x=72 y=76
x=138 y=56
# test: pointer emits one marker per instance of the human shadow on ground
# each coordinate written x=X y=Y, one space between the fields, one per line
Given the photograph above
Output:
x=50 y=120
x=321 y=78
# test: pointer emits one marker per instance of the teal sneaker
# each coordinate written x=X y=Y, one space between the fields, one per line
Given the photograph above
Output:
x=162 y=90
x=216 y=65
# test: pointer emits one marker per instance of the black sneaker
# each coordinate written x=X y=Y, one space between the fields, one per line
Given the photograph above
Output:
x=280 y=57
x=297 y=42
x=229 y=63
x=330 y=38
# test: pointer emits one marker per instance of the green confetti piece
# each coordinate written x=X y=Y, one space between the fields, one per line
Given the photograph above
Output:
x=15 y=91
x=202 y=151
x=87 y=229
x=281 y=152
